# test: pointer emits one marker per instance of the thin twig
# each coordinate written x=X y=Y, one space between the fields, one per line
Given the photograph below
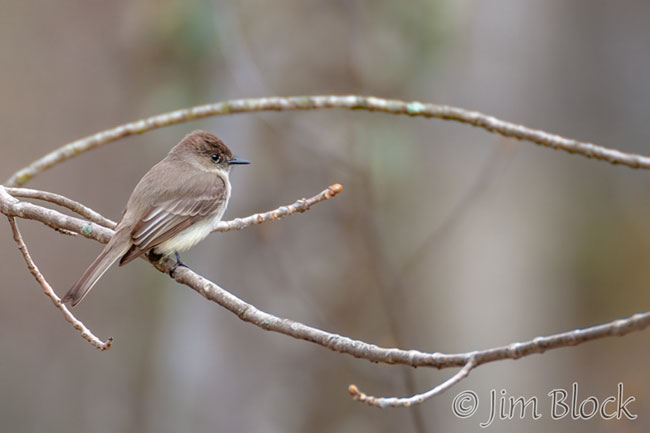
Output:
x=74 y=206
x=47 y=289
x=11 y=206
x=300 y=206
x=384 y=402
x=350 y=102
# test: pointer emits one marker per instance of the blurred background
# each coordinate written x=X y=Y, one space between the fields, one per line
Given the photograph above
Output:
x=445 y=238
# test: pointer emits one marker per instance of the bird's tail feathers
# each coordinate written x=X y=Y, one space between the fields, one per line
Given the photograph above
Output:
x=94 y=272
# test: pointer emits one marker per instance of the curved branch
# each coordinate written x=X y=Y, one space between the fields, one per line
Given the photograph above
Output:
x=47 y=289
x=350 y=102
x=384 y=402
x=74 y=206
x=12 y=207
x=414 y=358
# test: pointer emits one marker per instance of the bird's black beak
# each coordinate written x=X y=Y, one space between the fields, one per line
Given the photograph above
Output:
x=238 y=161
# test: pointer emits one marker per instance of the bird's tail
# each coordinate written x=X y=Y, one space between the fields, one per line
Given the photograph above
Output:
x=106 y=258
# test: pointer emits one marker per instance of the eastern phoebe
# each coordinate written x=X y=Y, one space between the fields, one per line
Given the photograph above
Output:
x=174 y=206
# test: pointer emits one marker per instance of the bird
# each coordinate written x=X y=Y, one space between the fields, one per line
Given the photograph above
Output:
x=175 y=205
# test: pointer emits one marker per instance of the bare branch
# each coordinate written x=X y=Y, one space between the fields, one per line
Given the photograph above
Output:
x=12 y=207
x=317 y=102
x=300 y=206
x=102 y=232
x=47 y=289
x=414 y=358
x=384 y=402
x=74 y=206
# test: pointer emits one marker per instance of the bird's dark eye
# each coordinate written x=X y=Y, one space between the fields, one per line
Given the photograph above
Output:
x=216 y=157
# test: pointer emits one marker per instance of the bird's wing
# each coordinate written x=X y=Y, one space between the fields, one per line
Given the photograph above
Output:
x=166 y=219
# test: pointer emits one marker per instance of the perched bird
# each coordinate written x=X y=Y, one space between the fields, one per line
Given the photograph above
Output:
x=175 y=205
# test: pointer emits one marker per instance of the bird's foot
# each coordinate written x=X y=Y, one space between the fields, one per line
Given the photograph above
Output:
x=154 y=256
x=176 y=265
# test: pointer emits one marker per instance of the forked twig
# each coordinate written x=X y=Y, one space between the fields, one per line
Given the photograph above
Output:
x=102 y=232
x=13 y=207
x=74 y=206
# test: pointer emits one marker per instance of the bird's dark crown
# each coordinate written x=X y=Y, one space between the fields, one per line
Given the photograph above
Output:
x=204 y=143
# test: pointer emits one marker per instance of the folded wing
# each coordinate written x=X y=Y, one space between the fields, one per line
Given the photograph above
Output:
x=166 y=219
